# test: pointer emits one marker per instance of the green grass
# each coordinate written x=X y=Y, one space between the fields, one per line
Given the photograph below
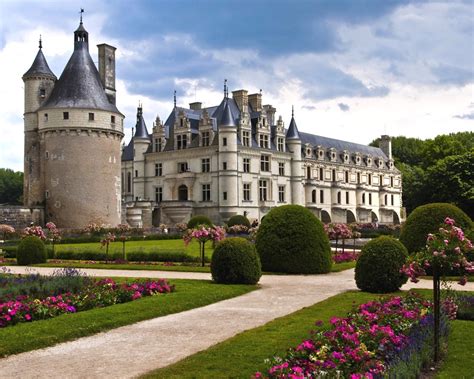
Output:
x=43 y=333
x=337 y=267
x=244 y=354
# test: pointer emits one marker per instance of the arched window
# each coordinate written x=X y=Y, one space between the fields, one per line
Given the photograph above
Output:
x=313 y=196
x=182 y=193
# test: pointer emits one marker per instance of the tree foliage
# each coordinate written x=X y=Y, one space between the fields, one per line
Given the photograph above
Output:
x=11 y=186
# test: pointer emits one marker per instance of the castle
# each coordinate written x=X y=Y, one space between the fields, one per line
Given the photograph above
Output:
x=232 y=158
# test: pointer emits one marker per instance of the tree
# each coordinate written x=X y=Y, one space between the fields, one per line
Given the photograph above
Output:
x=11 y=186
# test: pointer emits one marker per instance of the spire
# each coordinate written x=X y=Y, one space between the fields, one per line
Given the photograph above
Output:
x=40 y=66
x=292 y=132
x=174 y=99
x=227 y=118
x=226 y=91
x=81 y=12
x=140 y=128
x=81 y=36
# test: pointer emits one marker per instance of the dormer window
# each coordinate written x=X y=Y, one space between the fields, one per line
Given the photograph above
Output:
x=263 y=139
x=280 y=144
x=346 y=158
x=181 y=141
x=205 y=138
x=181 y=122
x=308 y=152
x=246 y=138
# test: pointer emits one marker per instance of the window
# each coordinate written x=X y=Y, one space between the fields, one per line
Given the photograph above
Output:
x=112 y=119
x=308 y=172
x=224 y=141
x=263 y=190
x=46 y=194
x=181 y=141
x=205 y=138
x=181 y=122
x=91 y=116
x=246 y=164
x=280 y=144
x=65 y=115
x=263 y=138
x=391 y=199
x=224 y=195
x=182 y=193
x=206 y=164
x=182 y=166
x=45 y=117
x=391 y=181
x=246 y=191
x=281 y=169
x=158 y=169
x=363 y=198
x=321 y=196
x=333 y=175
x=347 y=197
x=321 y=173
x=129 y=182
x=46 y=154
x=157 y=144
x=369 y=177
x=358 y=178
x=158 y=194
x=42 y=92
x=136 y=173
x=224 y=166
x=346 y=176
x=385 y=200
x=246 y=138
x=313 y=196
x=206 y=192
x=339 y=197
x=370 y=199
x=381 y=180
x=265 y=163
x=281 y=194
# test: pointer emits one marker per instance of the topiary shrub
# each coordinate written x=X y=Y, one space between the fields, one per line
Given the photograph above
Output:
x=199 y=220
x=238 y=220
x=378 y=267
x=291 y=239
x=235 y=261
x=31 y=250
x=427 y=219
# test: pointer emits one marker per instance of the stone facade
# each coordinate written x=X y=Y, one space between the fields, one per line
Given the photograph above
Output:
x=73 y=133
x=235 y=158
x=20 y=217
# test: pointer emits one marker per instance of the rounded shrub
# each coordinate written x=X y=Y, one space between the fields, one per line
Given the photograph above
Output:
x=427 y=219
x=199 y=220
x=235 y=261
x=238 y=220
x=378 y=267
x=30 y=250
x=292 y=240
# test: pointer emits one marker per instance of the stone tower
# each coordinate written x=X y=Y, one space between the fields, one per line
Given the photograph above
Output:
x=293 y=141
x=39 y=81
x=141 y=143
x=79 y=129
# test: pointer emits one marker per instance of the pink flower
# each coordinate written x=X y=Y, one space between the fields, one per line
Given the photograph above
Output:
x=449 y=221
x=462 y=280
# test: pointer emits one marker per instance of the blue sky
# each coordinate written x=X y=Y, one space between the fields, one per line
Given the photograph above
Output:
x=353 y=69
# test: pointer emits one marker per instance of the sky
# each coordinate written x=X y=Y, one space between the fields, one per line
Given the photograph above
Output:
x=352 y=69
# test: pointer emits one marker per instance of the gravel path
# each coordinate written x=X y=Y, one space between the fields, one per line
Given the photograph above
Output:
x=135 y=349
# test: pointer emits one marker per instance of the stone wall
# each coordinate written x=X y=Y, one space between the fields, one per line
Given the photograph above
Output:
x=20 y=217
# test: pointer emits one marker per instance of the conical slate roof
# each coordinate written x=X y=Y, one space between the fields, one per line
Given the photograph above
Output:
x=140 y=128
x=39 y=67
x=79 y=85
x=227 y=118
x=292 y=132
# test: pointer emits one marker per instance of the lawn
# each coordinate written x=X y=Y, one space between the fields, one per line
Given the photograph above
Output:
x=244 y=354
x=39 y=334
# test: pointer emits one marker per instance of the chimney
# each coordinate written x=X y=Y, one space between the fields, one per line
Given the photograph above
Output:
x=107 y=70
x=270 y=114
x=196 y=106
x=385 y=145
x=241 y=99
x=255 y=101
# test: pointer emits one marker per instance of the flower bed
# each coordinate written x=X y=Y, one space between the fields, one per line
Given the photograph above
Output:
x=380 y=338
x=345 y=256
x=94 y=294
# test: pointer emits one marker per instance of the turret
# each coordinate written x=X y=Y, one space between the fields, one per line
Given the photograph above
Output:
x=39 y=81
x=293 y=142
x=141 y=143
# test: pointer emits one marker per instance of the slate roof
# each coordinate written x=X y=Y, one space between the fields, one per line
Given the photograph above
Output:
x=141 y=130
x=292 y=132
x=39 y=67
x=79 y=85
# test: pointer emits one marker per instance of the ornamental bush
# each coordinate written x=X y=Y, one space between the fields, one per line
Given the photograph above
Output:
x=378 y=267
x=291 y=239
x=238 y=220
x=427 y=219
x=235 y=261
x=199 y=220
x=30 y=250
